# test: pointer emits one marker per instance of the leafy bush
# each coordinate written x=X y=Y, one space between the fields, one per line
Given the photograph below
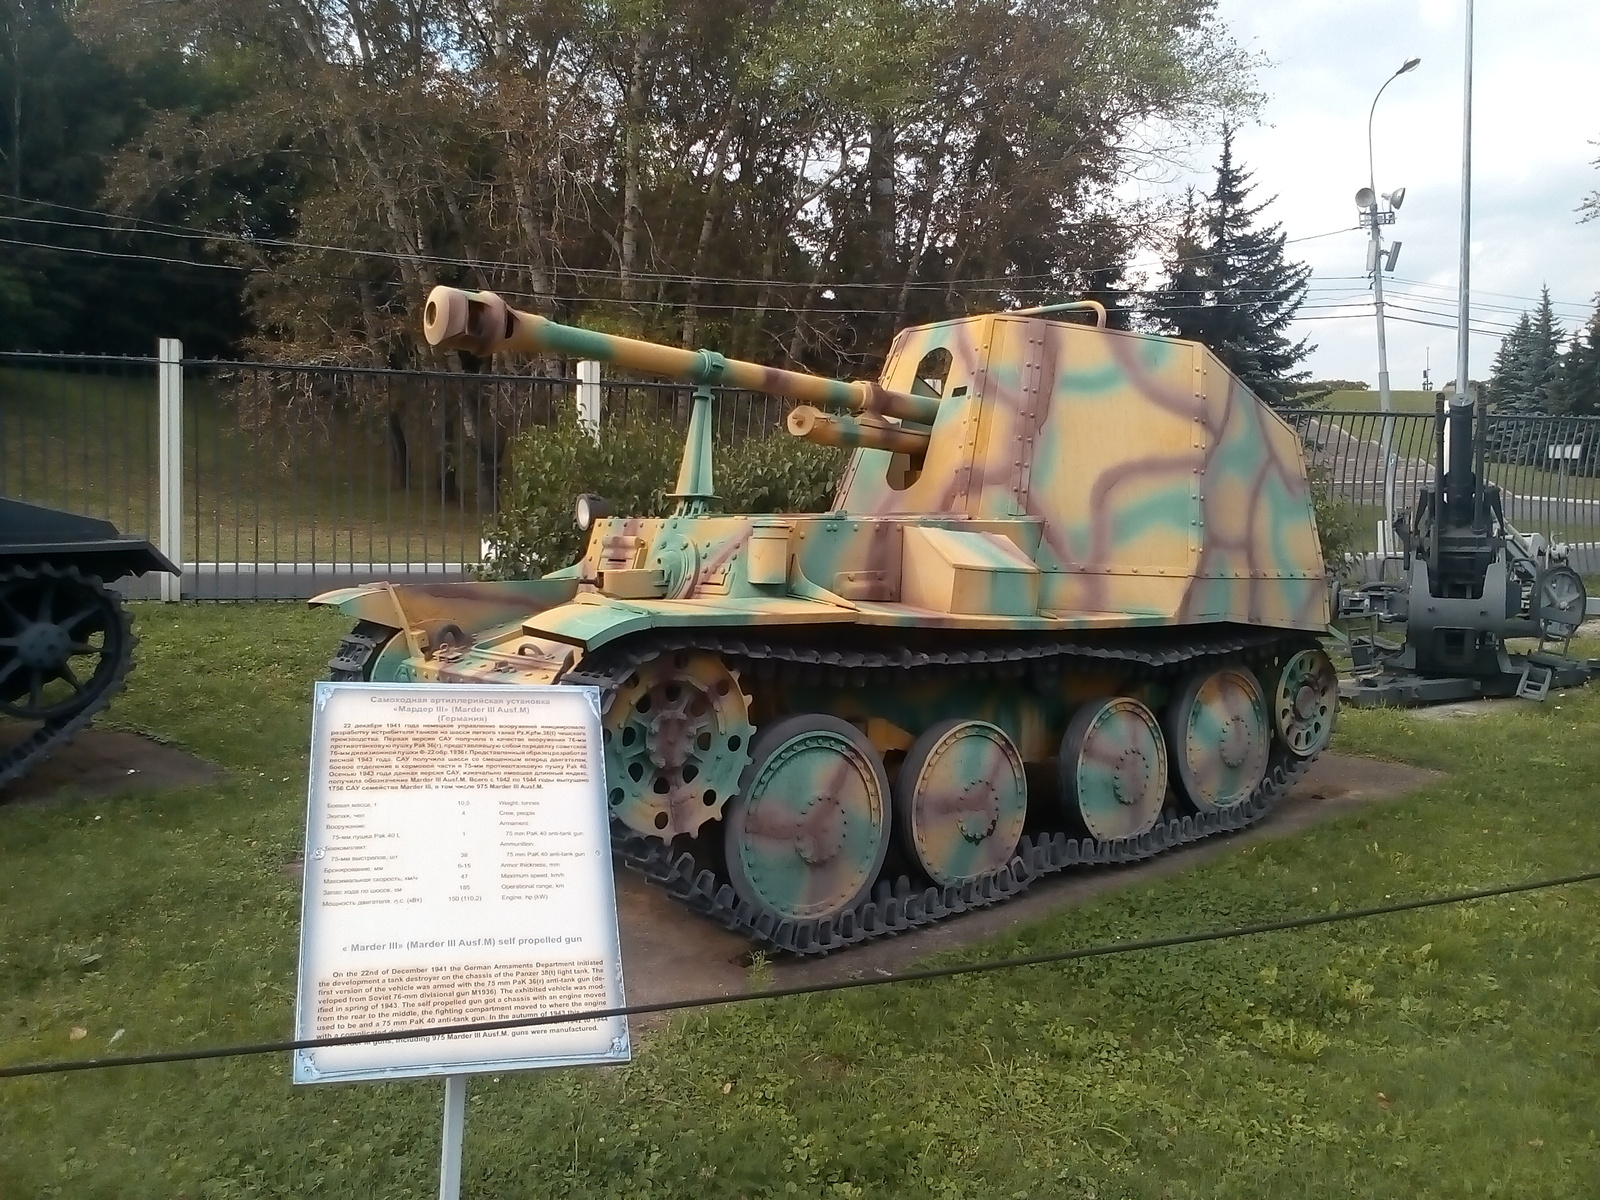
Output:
x=778 y=473
x=634 y=466
x=1336 y=522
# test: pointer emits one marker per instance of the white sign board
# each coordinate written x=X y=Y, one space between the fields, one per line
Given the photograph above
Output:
x=458 y=870
x=1572 y=451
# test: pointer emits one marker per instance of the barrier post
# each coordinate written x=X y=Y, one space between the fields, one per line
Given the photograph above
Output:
x=589 y=396
x=169 y=354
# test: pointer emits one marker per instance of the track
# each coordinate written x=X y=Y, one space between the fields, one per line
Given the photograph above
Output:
x=109 y=674
x=897 y=906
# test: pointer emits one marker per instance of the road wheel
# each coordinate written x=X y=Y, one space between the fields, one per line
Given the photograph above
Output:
x=806 y=836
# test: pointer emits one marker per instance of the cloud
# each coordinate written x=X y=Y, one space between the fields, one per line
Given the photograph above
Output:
x=1534 y=121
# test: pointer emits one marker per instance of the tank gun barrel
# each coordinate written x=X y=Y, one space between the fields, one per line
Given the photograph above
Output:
x=837 y=429
x=482 y=323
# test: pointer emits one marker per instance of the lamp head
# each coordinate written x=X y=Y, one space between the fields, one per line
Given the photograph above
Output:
x=1409 y=65
x=589 y=509
x=1365 y=198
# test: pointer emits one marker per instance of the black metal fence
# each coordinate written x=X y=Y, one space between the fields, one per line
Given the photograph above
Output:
x=1547 y=469
x=296 y=478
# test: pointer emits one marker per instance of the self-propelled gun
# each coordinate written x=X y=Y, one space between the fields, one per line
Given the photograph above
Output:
x=1066 y=608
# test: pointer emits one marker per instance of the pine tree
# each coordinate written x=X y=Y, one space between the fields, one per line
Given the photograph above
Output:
x=1181 y=300
x=1508 y=376
x=1527 y=376
x=1580 y=370
x=1229 y=286
x=1544 y=364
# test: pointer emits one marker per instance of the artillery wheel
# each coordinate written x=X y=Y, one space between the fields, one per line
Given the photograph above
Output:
x=1219 y=738
x=1304 y=703
x=677 y=734
x=1113 y=768
x=960 y=800
x=807 y=834
x=1561 y=603
x=65 y=641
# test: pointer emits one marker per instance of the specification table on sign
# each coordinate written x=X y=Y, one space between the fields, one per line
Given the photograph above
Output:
x=458 y=870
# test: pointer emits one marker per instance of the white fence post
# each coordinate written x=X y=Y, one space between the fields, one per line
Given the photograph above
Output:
x=589 y=396
x=170 y=377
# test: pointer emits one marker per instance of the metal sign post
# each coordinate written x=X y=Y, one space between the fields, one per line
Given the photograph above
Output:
x=455 y=1126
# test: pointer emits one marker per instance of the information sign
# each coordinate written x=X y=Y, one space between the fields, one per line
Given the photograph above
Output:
x=458 y=869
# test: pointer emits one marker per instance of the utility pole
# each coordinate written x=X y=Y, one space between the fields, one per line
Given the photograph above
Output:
x=1367 y=199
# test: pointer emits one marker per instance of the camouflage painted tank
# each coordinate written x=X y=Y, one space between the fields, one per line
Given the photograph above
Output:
x=1065 y=609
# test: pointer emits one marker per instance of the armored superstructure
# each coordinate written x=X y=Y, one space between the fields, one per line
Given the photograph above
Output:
x=1065 y=608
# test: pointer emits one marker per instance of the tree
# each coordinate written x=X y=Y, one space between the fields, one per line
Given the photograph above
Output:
x=1229 y=285
x=781 y=179
x=70 y=279
x=1508 y=376
x=1580 y=369
x=1527 y=374
x=1590 y=208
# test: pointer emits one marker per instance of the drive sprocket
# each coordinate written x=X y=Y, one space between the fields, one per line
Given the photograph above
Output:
x=677 y=735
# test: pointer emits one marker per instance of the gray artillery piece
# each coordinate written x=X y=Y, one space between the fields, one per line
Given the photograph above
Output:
x=1471 y=582
x=66 y=641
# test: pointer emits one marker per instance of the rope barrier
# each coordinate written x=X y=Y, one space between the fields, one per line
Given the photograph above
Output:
x=638 y=1010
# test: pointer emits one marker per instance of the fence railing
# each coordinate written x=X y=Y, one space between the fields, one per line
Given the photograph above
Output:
x=295 y=478
x=1547 y=469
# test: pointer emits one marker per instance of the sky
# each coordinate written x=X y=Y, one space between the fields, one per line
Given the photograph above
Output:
x=1536 y=117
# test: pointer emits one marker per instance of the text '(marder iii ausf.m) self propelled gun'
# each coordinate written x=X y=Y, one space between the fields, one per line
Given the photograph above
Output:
x=1066 y=609
x=66 y=641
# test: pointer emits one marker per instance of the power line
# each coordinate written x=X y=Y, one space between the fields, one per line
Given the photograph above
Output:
x=181 y=262
x=1450 y=287
x=1494 y=333
x=294 y=274
x=997 y=282
x=1332 y=302
x=809 y=989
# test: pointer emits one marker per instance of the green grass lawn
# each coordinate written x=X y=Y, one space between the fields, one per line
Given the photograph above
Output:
x=88 y=443
x=1449 y=1053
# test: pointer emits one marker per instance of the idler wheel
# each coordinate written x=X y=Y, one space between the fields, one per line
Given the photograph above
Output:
x=1218 y=737
x=806 y=836
x=960 y=800
x=62 y=640
x=1113 y=768
x=1305 y=701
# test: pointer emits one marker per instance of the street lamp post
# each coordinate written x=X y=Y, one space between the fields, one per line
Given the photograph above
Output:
x=1367 y=198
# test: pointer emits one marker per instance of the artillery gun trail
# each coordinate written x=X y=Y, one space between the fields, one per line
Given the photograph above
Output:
x=1066 y=608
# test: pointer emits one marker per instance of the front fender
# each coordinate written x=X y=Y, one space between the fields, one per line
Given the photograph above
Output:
x=474 y=606
x=592 y=620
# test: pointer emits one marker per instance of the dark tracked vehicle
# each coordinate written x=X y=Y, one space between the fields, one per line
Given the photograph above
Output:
x=66 y=641
x=1066 y=609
